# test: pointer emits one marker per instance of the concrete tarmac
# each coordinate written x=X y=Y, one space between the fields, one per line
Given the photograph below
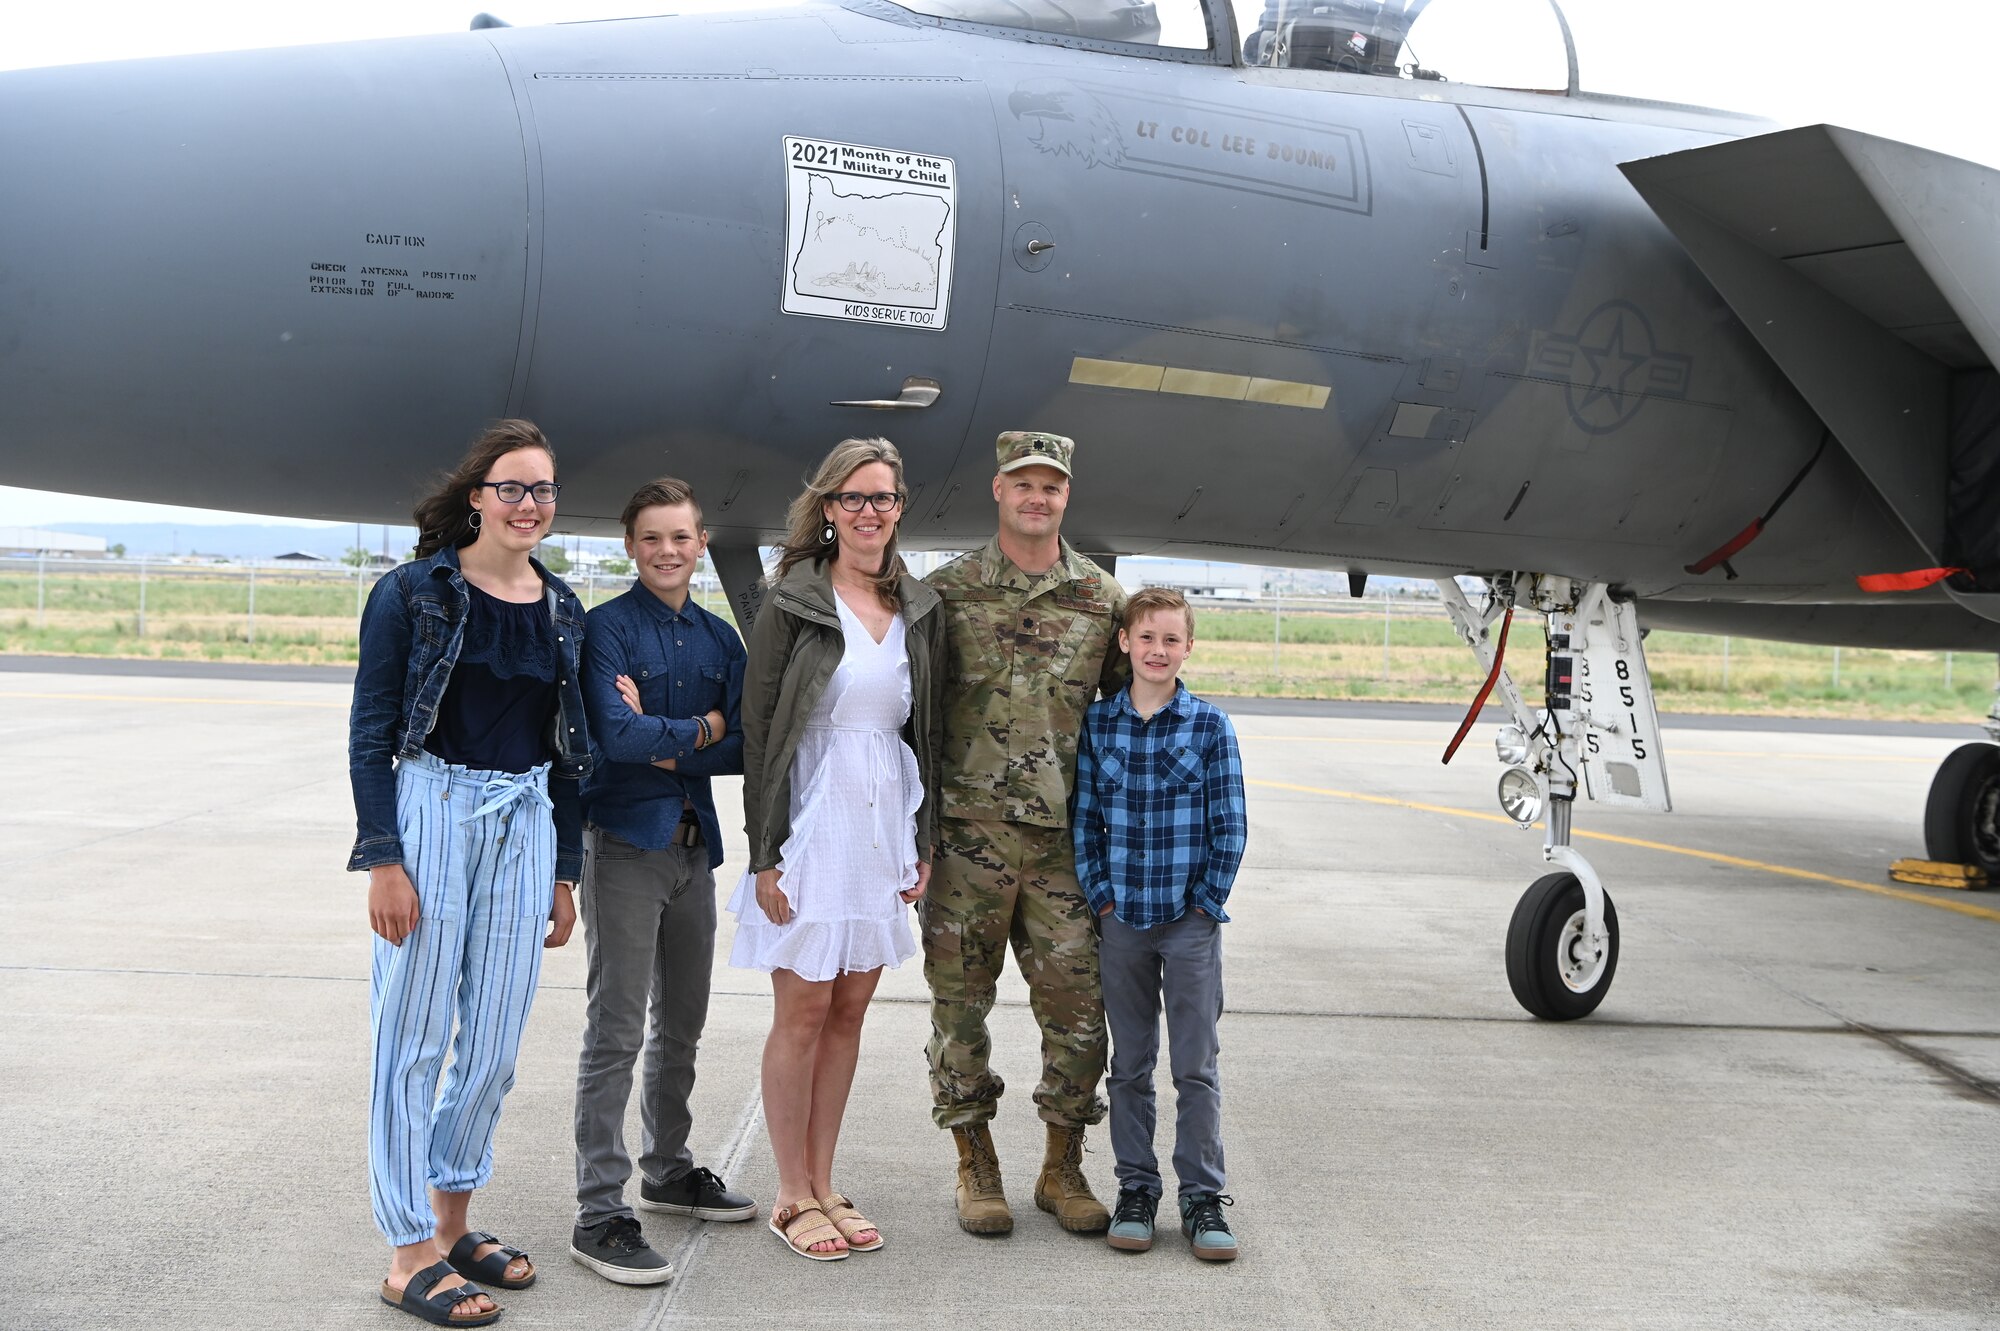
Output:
x=1785 y=1114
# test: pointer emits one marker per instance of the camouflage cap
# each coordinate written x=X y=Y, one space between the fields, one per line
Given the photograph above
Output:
x=1033 y=448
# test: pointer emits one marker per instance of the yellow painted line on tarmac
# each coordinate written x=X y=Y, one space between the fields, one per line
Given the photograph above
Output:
x=1675 y=752
x=1437 y=744
x=159 y=698
x=1804 y=757
x=1715 y=857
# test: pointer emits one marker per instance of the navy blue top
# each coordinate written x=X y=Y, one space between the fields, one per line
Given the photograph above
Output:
x=687 y=663
x=495 y=712
x=412 y=635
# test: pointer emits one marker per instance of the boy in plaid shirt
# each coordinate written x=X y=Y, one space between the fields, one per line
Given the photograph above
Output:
x=1160 y=828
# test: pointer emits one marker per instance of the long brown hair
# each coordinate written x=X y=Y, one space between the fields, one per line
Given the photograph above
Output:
x=806 y=517
x=444 y=516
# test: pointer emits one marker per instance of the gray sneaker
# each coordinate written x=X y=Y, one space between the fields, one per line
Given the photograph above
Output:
x=699 y=1193
x=1132 y=1220
x=618 y=1251
x=1207 y=1231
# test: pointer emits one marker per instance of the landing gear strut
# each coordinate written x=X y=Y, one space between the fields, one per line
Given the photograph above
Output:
x=741 y=573
x=1599 y=735
x=1962 y=817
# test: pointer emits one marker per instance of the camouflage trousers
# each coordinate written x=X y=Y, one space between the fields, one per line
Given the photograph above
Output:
x=995 y=884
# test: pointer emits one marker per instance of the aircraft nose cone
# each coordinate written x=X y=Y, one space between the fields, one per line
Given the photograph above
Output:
x=233 y=247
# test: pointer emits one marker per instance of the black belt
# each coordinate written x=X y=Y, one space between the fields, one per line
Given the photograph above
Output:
x=688 y=833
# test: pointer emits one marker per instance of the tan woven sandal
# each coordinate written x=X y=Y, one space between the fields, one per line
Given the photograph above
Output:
x=849 y=1222
x=799 y=1233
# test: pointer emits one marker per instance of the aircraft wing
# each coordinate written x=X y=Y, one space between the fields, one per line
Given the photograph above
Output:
x=1869 y=270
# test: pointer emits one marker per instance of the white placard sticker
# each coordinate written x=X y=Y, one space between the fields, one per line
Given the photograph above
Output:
x=869 y=233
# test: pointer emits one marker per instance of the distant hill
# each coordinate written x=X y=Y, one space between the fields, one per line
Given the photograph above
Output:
x=253 y=540
x=245 y=540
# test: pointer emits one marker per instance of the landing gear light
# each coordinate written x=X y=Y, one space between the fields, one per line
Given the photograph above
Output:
x=1521 y=795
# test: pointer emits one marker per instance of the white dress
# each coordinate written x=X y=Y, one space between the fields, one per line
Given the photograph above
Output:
x=856 y=789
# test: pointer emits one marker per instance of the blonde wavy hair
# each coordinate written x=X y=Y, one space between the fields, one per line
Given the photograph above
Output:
x=806 y=518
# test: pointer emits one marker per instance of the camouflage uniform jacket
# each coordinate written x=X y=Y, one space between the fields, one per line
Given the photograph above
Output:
x=1027 y=655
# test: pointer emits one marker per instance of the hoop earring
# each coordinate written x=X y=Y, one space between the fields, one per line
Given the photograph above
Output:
x=474 y=520
x=827 y=534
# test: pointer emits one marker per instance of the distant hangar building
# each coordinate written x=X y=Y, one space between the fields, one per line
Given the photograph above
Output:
x=17 y=541
x=1194 y=577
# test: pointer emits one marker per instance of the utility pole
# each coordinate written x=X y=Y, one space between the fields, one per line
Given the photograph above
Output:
x=1385 y=633
x=1277 y=623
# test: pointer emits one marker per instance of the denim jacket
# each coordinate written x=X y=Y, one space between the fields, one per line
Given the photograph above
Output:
x=411 y=634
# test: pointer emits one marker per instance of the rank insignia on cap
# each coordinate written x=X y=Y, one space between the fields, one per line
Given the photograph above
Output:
x=1033 y=448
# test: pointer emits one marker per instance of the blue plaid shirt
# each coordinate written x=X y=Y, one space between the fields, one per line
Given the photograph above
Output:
x=1160 y=823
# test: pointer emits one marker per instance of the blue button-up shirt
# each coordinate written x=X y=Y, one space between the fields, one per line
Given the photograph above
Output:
x=687 y=663
x=1160 y=823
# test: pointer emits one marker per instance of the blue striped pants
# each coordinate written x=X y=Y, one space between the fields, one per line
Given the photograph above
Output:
x=480 y=848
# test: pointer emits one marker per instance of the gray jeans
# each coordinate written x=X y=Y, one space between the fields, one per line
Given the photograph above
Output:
x=1182 y=963
x=649 y=923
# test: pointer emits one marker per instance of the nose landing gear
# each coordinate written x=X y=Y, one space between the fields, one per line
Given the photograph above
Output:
x=1600 y=733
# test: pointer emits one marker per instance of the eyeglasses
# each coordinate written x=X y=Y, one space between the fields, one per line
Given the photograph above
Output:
x=852 y=500
x=511 y=492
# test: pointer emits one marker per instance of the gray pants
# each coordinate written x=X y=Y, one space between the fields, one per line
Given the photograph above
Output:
x=1181 y=962
x=649 y=922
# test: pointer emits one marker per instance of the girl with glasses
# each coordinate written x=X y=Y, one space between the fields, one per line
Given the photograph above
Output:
x=466 y=747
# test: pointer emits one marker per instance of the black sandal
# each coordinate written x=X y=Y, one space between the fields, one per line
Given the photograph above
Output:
x=492 y=1268
x=435 y=1305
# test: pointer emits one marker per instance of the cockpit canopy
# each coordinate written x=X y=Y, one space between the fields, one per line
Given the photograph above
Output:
x=1100 y=20
x=1495 y=43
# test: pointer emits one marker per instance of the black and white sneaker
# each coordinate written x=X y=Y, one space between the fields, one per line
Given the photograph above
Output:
x=618 y=1251
x=699 y=1193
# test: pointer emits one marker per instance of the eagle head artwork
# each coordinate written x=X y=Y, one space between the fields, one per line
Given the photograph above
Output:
x=1064 y=121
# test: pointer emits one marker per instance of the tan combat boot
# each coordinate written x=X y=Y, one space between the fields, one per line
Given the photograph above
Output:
x=982 y=1203
x=1063 y=1191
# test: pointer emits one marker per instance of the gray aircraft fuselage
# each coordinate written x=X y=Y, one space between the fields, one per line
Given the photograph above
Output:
x=1298 y=318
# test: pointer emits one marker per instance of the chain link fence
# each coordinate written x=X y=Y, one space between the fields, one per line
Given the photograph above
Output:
x=1391 y=644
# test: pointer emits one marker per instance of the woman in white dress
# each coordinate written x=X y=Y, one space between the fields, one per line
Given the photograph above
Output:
x=840 y=745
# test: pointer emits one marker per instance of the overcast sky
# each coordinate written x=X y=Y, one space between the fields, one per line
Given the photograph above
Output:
x=1917 y=71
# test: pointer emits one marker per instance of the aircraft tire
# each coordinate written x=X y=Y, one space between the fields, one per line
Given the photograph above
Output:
x=1547 y=920
x=1962 y=816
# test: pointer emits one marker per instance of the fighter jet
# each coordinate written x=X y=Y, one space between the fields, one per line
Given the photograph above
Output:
x=1304 y=299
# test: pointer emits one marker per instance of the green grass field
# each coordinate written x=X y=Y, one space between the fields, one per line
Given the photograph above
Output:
x=1333 y=650
x=1339 y=654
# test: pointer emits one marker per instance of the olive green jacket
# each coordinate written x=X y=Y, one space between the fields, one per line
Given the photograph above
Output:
x=795 y=645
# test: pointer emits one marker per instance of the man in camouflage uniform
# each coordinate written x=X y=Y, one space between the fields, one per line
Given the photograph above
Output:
x=1031 y=624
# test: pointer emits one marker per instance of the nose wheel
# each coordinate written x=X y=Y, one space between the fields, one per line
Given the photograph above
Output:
x=1557 y=968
